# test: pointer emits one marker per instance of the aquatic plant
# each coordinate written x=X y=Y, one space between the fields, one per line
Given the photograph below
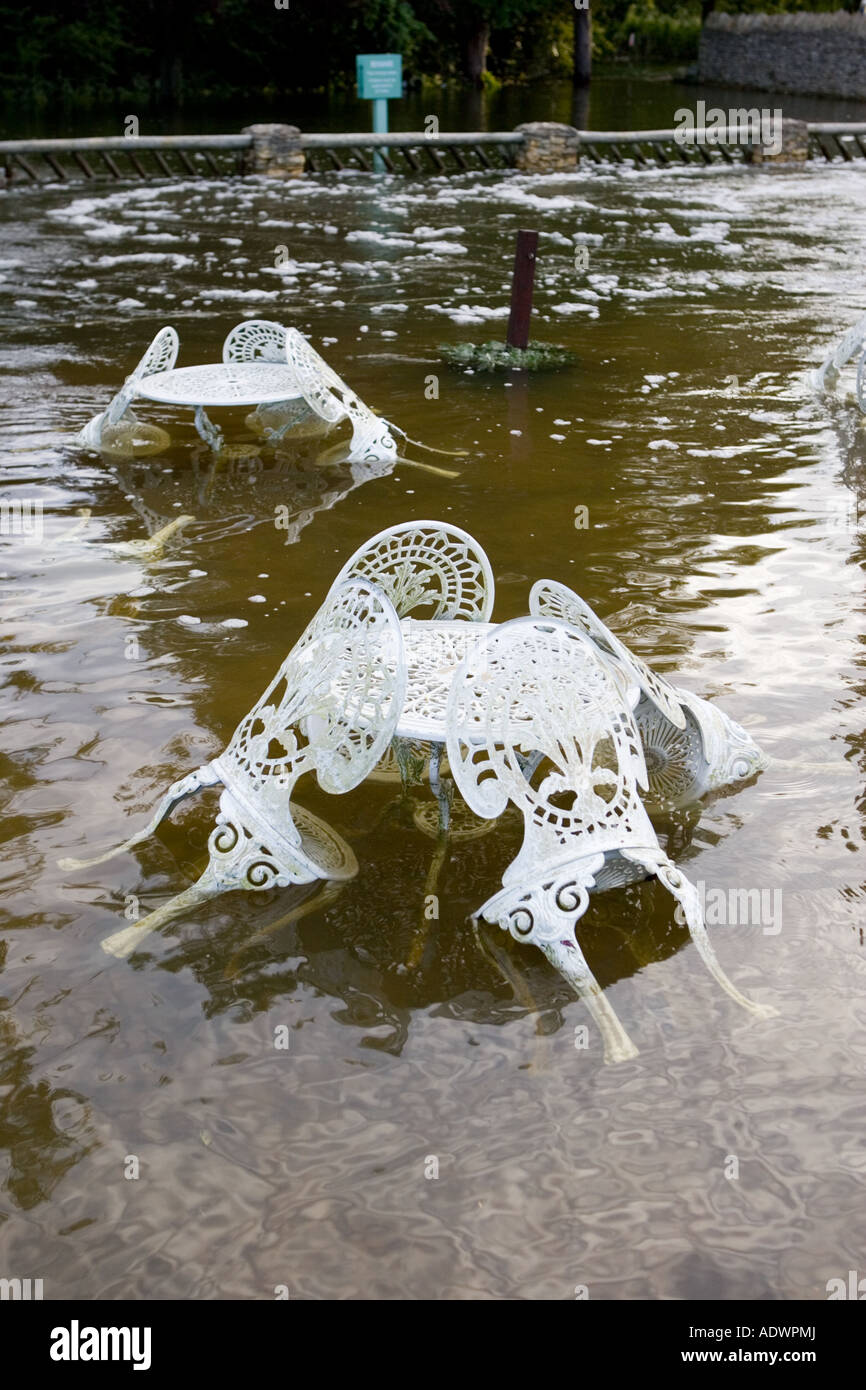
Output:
x=499 y=357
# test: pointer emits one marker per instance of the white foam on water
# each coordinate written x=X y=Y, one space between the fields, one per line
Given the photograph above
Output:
x=223 y=293
x=433 y=233
x=466 y=313
x=444 y=248
x=173 y=258
x=379 y=238
x=575 y=307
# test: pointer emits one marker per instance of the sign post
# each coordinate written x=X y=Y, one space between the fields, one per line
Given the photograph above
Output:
x=380 y=80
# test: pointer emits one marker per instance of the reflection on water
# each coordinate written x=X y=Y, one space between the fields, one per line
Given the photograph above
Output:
x=285 y=493
x=720 y=545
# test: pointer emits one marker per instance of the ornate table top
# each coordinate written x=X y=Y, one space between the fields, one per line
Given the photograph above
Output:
x=433 y=650
x=222 y=383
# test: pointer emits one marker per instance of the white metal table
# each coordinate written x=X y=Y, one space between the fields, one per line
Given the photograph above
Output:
x=221 y=384
x=433 y=651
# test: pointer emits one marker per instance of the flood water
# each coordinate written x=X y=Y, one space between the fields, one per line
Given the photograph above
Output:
x=723 y=545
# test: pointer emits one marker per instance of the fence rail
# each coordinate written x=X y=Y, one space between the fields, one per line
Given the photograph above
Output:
x=195 y=155
x=418 y=150
x=122 y=157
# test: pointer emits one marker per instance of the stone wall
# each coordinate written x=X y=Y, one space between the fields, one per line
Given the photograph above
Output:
x=810 y=54
x=548 y=148
x=275 y=152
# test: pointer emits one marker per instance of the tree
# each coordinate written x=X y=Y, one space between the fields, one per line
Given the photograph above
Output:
x=583 y=46
x=470 y=23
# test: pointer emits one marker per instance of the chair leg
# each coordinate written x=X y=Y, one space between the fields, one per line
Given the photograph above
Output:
x=687 y=896
x=498 y=956
x=240 y=859
x=567 y=957
x=202 y=777
x=153 y=547
x=122 y=943
x=489 y=947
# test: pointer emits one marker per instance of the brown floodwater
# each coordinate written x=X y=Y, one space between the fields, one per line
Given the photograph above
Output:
x=722 y=543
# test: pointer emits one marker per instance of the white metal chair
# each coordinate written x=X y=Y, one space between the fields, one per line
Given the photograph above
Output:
x=256 y=340
x=436 y=571
x=160 y=357
x=539 y=686
x=690 y=746
x=331 y=708
x=428 y=569
x=262 y=340
x=324 y=393
x=330 y=398
x=852 y=343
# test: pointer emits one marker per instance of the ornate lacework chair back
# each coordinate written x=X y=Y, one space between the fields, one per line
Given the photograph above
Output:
x=329 y=397
x=331 y=709
x=256 y=340
x=540 y=687
x=263 y=340
x=691 y=747
x=160 y=357
x=428 y=569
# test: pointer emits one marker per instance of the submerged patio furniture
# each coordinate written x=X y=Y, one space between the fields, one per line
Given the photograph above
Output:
x=549 y=716
x=852 y=343
x=264 y=365
x=308 y=719
x=159 y=358
x=437 y=570
x=691 y=747
x=539 y=686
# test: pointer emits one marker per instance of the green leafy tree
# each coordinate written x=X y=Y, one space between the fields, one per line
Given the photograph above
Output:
x=469 y=25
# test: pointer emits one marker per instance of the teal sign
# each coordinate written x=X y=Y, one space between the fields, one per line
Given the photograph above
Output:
x=380 y=76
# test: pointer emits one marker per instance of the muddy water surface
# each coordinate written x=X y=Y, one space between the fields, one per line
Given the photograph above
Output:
x=723 y=544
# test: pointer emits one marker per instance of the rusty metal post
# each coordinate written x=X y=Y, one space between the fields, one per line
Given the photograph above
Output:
x=522 y=285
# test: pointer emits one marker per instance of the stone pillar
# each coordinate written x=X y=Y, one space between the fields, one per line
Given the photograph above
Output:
x=793 y=138
x=275 y=152
x=548 y=148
